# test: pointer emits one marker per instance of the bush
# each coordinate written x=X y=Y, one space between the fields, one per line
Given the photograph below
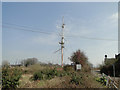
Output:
x=68 y=68
x=38 y=76
x=10 y=77
x=25 y=71
x=76 y=79
x=48 y=74
x=102 y=80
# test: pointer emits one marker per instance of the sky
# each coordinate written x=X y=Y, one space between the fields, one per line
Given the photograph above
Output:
x=0 y=33
x=91 y=27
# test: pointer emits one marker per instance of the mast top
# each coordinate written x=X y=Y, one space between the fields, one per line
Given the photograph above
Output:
x=63 y=23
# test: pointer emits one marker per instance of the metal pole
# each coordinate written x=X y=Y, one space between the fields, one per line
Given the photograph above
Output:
x=114 y=71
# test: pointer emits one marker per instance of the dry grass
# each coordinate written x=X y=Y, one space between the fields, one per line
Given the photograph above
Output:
x=59 y=82
x=34 y=68
x=25 y=80
x=87 y=80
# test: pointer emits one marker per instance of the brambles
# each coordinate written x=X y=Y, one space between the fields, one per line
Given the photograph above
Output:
x=37 y=76
x=48 y=74
x=76 y=79
x=10 y=77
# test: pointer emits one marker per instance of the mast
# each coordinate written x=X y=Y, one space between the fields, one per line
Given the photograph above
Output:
x=62 y=41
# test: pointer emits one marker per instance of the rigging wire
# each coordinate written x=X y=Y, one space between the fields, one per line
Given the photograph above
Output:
x=30 y=29
x=23 y=29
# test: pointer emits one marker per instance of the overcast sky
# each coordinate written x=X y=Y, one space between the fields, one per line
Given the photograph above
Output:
x=91 y=27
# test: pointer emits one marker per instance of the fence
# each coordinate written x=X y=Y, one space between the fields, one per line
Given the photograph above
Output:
x=111 y=83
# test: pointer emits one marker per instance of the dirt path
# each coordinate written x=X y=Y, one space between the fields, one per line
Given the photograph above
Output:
x=25 y=80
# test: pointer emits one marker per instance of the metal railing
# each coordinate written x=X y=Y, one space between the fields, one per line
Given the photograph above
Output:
x=111 y=83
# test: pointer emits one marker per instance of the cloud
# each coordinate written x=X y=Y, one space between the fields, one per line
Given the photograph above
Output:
x=114 y=17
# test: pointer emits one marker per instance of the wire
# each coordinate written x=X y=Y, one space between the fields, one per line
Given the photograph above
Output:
x=24 y=26
x=28 y=28
x=93 y=38
x=16 y=28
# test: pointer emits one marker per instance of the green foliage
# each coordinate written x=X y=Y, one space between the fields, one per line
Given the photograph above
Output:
x=108 y=67
x=76 y=79
x=102 y=80
x=68 y=68
x=48 y=74
x=25 y=71
x=110 y=61
x=38 y=76
x=10 y=77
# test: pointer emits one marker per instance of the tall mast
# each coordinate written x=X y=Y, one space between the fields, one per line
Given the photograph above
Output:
x=62 y=41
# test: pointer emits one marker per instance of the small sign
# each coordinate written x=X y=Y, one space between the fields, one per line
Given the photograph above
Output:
x=78 y=66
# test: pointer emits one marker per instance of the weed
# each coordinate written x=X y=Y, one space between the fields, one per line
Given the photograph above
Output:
x=10 y=77
x=38 y=76
x=76 y=79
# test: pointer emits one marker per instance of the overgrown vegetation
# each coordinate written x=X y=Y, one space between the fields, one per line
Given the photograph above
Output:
x=10 y=77
x=108 y=67
x=54 y=77
x=49 y=75
x=68 y=68
x=102 y=80
x=79 y=57
x=77 y=79
x=29 y=61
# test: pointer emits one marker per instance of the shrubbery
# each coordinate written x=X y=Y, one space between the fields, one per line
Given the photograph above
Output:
x=10 y=77
x=48 y=74
x=102 y=80
x=76 y=79
x=108 y=69
x=79 y=57
x=68 y=68
x=37 y=76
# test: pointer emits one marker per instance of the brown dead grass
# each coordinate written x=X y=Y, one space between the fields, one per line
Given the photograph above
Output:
x=87 y=80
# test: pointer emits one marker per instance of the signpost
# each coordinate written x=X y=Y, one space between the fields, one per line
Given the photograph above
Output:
x=78 y=66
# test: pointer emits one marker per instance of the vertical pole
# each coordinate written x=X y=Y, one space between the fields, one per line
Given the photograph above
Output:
x=62 y=55
x=62 y=42
x=114 y=71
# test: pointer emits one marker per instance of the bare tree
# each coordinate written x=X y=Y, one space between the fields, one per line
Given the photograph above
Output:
x=29 y=61
x=5 y=63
